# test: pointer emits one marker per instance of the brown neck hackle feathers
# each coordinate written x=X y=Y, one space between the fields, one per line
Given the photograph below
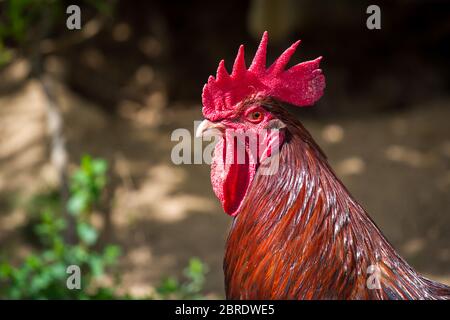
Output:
x=301 y=235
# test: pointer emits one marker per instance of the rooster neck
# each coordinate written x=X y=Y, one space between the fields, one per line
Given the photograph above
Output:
x=301 y=235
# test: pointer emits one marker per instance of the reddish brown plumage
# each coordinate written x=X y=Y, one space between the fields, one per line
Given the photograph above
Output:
x=300 y=235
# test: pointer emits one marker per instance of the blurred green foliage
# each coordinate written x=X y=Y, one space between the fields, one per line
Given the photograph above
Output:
x=20 y=15
x=18 y=21
x=24 y=20
x=42 y=275
x=86 y=185
x=171 y=288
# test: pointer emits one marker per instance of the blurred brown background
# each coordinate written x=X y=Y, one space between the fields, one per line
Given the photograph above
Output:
x=134 y=73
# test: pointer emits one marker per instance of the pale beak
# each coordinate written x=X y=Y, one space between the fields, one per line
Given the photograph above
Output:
x=209 y=128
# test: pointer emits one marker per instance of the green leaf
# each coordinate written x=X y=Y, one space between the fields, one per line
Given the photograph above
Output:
x=87 y=233
x=77 y=255
x=79 y=179
x=196 y=266
x=5 y=270
x=33 y=261
x=78 y=203
x=99 y=166
x=86 y=162
x=111 y=254
x=168 y=286
x=58 y=271
x=39 y=282
x=96 y=265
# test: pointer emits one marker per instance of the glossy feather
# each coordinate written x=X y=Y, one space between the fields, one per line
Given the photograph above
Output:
x=301 y=235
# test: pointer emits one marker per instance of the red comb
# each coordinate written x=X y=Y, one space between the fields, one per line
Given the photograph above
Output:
x=301 y=85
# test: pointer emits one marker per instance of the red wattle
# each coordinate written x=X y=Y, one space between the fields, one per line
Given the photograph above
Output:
x=230 y=180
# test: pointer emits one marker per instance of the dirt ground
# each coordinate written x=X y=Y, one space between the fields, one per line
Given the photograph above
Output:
x=396 y=164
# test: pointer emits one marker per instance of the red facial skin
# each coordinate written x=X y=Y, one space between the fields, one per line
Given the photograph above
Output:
x=231 y=178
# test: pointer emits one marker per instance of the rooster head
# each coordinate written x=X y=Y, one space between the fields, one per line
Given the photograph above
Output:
x=236 y=105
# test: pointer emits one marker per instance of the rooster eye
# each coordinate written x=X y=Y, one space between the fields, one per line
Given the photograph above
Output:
x=255 y=116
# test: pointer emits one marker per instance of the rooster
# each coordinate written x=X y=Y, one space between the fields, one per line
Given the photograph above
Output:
x=297 y=233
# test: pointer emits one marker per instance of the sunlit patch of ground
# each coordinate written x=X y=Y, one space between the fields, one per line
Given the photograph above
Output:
x=396 y=165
